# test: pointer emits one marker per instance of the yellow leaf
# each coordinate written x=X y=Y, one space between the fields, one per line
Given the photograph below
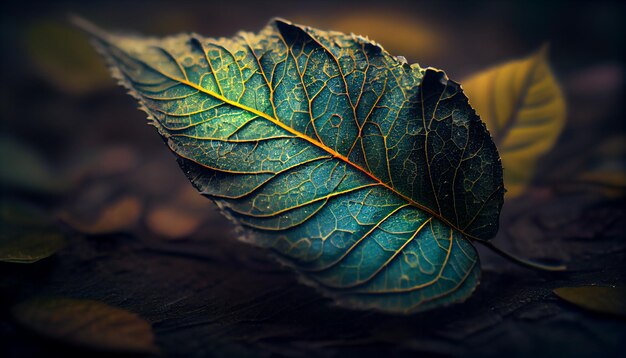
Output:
x=524 y=109
x=603 y=299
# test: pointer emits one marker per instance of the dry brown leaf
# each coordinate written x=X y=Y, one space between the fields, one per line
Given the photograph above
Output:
x=87 y=323
x=524 y=109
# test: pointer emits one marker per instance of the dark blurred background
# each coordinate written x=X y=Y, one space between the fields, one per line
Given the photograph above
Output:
x=73 y=147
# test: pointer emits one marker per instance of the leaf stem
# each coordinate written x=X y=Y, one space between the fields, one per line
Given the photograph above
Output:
x=521 y=261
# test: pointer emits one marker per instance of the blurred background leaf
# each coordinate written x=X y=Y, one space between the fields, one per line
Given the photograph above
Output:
x=524 y=109
x=87 y=323
x=27 y=234
x=208 y=295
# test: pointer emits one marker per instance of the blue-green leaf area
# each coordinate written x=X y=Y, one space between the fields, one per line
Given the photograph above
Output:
x=366 y=175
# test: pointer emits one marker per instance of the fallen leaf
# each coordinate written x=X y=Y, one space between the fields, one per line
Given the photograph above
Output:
x=603 y=299
x=87 y=323
x=365 y=174
x=524 y=109
x=26 y=236
x=119 y=216
x=29 y=247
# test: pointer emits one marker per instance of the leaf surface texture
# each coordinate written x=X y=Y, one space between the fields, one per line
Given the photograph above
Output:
x=363 y=173
x=524 y=109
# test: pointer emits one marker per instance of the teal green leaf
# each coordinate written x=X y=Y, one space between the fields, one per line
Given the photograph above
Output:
x=368 y=176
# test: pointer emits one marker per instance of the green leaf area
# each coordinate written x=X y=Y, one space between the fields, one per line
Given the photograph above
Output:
x=365 y=174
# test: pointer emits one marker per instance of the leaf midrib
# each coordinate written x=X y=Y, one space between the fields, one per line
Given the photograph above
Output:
x=513 y=117
x=322 y=146
x=303 y=136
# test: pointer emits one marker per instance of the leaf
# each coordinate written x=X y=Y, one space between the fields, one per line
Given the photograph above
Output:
x=363 y=173
x=29 y=247
x=87 y=323
x=524 y=109
x=119 y=216
x=611 y=300
x=25 y=235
